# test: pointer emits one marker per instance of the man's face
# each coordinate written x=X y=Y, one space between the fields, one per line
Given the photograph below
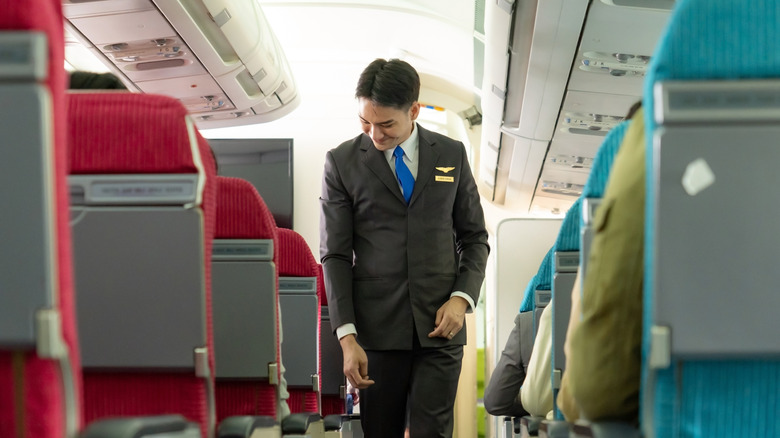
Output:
x=387 y=126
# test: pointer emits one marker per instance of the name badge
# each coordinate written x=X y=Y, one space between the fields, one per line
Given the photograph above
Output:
x=443 y=178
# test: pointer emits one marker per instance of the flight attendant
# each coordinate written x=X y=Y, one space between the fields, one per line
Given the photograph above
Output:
x=404 y=248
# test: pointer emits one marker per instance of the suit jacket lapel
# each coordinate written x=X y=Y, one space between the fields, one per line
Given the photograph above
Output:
x=428 y=157
x=377 y=163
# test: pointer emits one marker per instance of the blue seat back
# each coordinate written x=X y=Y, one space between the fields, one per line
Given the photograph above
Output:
x=710 y=367
x=602 y=162
x=541 y=281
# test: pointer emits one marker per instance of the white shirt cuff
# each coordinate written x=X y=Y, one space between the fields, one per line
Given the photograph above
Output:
x=466 y=297
x=346 y=329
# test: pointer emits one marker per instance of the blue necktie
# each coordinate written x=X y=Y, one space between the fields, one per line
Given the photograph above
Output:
x=404 y=175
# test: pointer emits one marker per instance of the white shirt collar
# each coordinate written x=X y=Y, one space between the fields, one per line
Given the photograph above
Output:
x=410 y=146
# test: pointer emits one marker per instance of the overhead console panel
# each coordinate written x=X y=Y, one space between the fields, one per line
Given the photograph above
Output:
x=220 y=58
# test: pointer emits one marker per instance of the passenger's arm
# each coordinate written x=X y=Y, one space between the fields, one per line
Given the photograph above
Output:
x=502 y=394
x=536 y=393
x=566 y=402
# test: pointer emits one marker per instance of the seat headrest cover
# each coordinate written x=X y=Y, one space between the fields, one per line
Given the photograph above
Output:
x=242 y=213
x=295 y=257
x=122 y=132
x=541 y=281
x=715 y=39
x=569 y=236
x=602 y=163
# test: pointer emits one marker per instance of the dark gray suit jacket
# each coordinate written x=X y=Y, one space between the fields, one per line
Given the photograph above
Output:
x=388 y=266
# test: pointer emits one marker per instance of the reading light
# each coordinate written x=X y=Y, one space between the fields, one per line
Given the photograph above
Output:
x=589 y=123
x=145 y=50
x=571 y=161
x=615 y=64
x=562 y=188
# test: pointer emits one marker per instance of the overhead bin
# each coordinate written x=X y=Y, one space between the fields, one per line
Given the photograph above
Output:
x=221 y=59
x=575 y=69
x=543 y=41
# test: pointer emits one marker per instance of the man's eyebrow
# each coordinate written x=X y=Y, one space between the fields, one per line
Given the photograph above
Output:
x=386 y=122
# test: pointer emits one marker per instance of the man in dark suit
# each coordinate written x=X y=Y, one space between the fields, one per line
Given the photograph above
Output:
x=404 y=248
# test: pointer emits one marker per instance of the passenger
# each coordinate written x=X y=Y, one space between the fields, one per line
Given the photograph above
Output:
x=502 y=393
x=536 y=392
x=402 y=265
x=83 y=80
x=603 y=346
x=520 y=383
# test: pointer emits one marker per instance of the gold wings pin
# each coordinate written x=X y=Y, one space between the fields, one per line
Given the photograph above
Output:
x=445 y=169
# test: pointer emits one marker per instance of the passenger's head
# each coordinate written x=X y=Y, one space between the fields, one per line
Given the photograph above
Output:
x=387 y=93
x=84 y=80
x=634 y=108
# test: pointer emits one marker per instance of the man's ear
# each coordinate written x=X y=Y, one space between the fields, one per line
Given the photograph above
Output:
x=414 y=110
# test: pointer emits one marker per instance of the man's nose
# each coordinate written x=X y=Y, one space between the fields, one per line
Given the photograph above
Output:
x=375 y=133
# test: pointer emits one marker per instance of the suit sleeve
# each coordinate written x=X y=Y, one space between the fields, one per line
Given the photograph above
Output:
x=471 y=237
x=336 y=244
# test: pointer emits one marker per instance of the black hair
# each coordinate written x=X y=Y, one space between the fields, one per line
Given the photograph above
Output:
x=95 y=81
x=392 y=83
x=634 y=108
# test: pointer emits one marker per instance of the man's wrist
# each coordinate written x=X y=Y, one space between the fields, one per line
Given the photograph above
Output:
x=347 y=340
x=346 y=329
x=470 y=301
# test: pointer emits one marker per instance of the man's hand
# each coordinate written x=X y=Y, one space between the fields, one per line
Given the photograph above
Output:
x=450 y=318
x=355 y=363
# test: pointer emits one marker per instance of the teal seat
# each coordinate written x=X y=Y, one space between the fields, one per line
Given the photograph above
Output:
x=711 y=361
x=565 y=263
x=540 y=281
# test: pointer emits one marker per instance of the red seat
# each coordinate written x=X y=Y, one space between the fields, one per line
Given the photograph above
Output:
x=332 y=378
x=243 y=216
x=39 y=391
x=296 y=260
x=130 y=135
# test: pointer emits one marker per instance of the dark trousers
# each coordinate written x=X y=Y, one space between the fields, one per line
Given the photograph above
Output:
x=421 y=382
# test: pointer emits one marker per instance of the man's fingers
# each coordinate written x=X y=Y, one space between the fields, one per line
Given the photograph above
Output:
x=439 y=316
x=443 y=332
x=360 y=382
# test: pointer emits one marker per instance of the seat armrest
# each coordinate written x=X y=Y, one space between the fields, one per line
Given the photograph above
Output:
x=529 y=425
x=605 y=429
x=137 y=427
x=299 y=423
x=554 y=429
x=333 y=422
x=242 y=426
